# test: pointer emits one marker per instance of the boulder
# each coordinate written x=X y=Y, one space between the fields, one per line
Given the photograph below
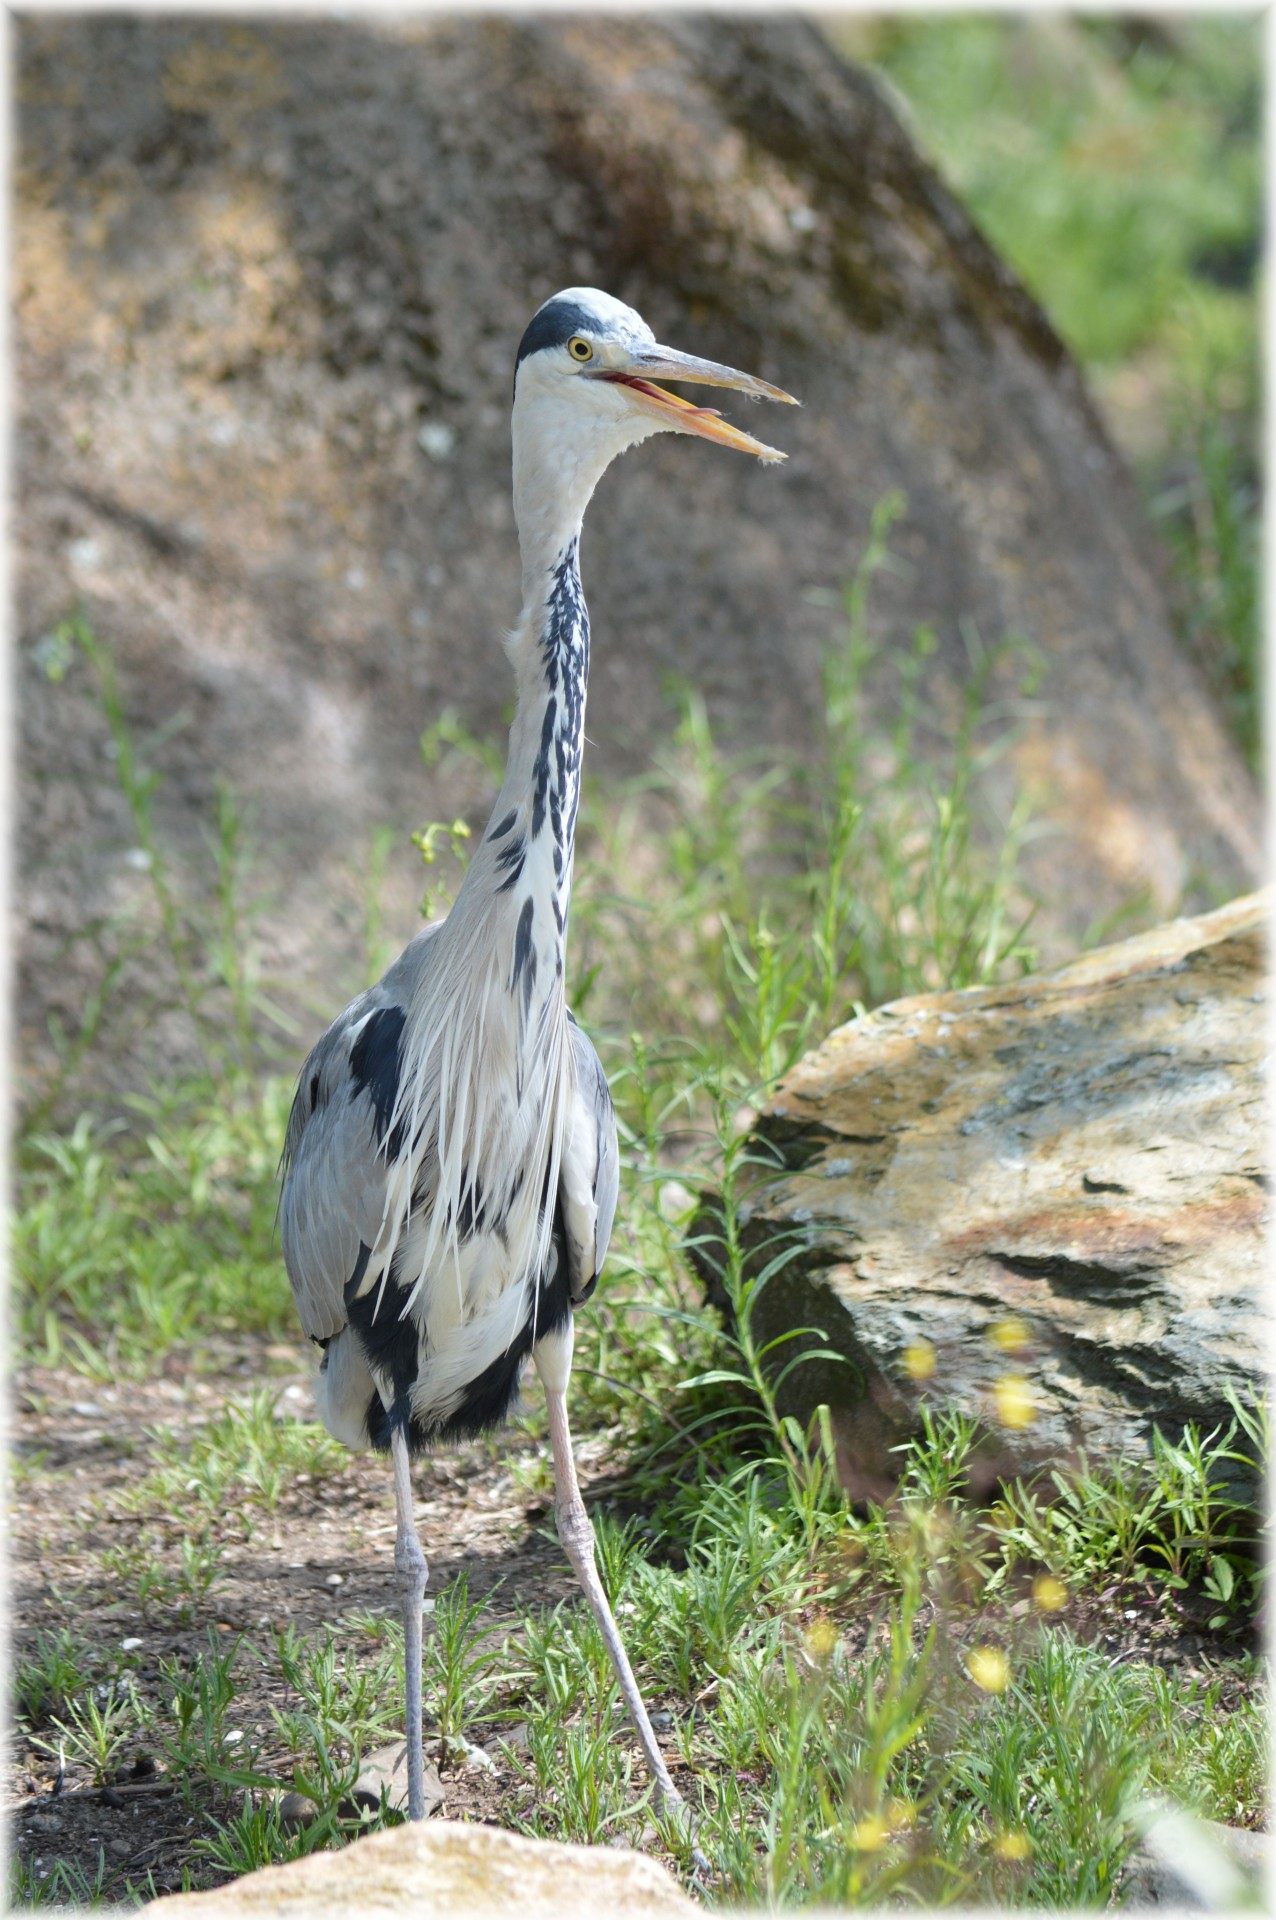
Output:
x=1046 y=1202
x=444 y=1867
x=1196 y=1865
x=269 y=279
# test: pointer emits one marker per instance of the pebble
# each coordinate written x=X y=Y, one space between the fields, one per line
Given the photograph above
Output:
x=387 y=1769
x=436 y=440
x=296 y=1811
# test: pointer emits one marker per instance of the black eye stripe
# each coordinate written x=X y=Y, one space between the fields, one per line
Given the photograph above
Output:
x=554 y=326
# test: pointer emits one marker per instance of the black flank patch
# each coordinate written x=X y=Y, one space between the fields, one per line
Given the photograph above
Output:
x=390 y=1344
x=492 y=1393
x=499 y=831
x=374 y=1063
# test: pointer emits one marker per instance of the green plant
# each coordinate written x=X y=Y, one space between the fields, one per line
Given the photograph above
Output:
x=45 y=1682
x=250 y=1452
x=458 y=1657
x=1115 y=165
x=97 y=1727
x=256 y=1837
x=60 y=1885
x=191 y=1722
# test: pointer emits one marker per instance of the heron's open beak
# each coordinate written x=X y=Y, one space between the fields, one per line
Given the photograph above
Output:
x=649 y=364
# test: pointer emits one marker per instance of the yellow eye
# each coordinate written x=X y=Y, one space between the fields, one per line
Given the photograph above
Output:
x=580 y=349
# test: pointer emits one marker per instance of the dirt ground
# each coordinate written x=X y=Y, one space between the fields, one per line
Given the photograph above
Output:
x=86 y=1446
x=324 y=1553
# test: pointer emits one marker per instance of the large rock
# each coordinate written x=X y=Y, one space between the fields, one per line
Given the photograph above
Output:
x=269 y=278
x=1045 y=1201
x=444 y=1867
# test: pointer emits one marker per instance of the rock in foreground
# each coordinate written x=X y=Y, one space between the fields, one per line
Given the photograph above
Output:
x=1046 y=1201
x=446 y=1867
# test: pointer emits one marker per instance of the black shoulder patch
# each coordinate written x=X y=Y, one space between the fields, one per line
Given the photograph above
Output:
x=554 y=326
x=374 y=1062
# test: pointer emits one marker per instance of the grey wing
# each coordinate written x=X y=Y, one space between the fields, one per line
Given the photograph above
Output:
x=589 y=1177
x=335 y=1161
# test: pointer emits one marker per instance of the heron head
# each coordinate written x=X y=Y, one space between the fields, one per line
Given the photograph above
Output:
x=594 y=363
x=585 y=388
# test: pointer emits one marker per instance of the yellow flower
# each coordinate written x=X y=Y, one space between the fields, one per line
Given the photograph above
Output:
x=1014 y=1845
x=989 y=1668
x=902 y=1813
x=1009 y=1335
x=869 y=1833
x=821 y=1638
x=1049 y=1594
x=919 y=1360
x=1015 y=1404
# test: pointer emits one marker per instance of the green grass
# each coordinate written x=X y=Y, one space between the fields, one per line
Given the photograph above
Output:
x=249 y=1454
x=895 y=1700
x=1116 y=165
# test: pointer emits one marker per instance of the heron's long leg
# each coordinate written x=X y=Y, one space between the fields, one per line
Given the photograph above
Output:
x=410 y=1565
x=577 y=1536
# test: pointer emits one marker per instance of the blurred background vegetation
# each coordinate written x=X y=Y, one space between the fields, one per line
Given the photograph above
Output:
x=1115 y=163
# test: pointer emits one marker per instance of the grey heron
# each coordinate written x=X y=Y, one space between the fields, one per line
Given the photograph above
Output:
x=450 y=1170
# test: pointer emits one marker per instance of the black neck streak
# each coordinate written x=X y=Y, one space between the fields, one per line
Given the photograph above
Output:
x=564 y=650
x=563 y=658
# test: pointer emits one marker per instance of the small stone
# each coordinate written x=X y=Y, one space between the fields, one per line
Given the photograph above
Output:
x=130 y=1645
x=296 y=1811
x=476 y=1761
x=387 y=1770
x=437 y=440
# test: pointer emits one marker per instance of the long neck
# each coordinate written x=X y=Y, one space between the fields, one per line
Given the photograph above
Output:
x=522 y=870
x=550 y=652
